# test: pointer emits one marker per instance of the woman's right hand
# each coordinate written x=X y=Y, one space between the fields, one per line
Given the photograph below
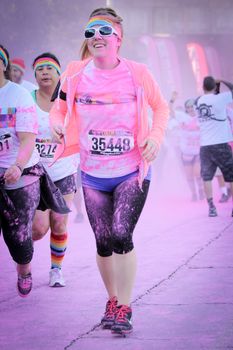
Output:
x=12 y=174
x=58 y=132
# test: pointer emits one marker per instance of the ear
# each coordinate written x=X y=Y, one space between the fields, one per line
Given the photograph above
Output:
x=119 y=41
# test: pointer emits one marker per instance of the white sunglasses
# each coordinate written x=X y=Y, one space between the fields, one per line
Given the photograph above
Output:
x=103 y=31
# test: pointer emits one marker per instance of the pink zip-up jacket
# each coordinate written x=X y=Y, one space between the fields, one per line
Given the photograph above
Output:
x=65 y=113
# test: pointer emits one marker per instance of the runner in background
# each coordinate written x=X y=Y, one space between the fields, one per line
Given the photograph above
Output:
x=17 y=74
x=188 y=134
x=216 y=134
x=190 y=149
x=19 y=194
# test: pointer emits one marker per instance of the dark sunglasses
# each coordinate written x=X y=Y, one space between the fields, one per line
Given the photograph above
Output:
x=103 y=31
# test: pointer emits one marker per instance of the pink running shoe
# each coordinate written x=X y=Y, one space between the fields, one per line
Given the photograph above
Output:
x=123 y=320
x=109 y=316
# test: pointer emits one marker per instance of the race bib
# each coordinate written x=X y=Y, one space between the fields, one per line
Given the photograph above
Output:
x=110 y=142
x=6 y=143
x=46 y=150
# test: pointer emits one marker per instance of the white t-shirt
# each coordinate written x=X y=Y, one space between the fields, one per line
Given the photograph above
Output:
x=62 y=167
x=174 y=126
x=212 y=117
x=17 y=114
x=28 y=85
x=190 y=137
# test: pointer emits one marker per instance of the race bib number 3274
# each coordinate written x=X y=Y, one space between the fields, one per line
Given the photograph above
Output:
x=46 y=150
x=110 y=142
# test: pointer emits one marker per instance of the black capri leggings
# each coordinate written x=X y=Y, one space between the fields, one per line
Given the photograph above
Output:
x=113 y=215
x=18 y=235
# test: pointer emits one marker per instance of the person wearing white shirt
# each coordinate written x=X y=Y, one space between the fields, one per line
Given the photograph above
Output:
x=19 y=193
x=17 y=70
x=216 y=134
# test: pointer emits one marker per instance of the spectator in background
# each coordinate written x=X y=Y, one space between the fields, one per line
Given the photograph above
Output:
x=17 y=72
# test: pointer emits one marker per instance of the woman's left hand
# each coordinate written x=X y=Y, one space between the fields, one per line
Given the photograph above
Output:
x=150 y=150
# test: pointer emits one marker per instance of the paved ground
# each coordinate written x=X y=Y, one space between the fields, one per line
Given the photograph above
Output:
x=183 y=298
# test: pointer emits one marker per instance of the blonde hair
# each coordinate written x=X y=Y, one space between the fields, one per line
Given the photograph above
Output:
x=107 y=12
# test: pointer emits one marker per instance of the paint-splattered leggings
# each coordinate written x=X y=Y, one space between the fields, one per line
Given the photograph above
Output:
x=113 y=215
x=18 y=235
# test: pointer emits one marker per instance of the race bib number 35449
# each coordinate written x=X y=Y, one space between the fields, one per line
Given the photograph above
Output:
x=110 y=142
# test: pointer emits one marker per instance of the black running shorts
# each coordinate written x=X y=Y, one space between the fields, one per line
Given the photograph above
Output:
x=214 y=156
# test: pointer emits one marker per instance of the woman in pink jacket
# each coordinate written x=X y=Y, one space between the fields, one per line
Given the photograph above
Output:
x=101 y=112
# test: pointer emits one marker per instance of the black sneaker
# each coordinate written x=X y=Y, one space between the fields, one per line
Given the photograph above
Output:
x=24 y=285
x=109 y=316
x=224 y=198
x=213 y=211
x=123 y=320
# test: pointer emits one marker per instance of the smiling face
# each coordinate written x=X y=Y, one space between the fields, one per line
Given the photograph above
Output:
x=46 y=76
x=101 y=46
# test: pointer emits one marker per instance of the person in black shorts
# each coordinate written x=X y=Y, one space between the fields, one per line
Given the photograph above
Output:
x=215 y=136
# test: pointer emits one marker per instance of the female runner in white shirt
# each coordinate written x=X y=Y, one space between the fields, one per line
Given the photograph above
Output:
x=47 y=73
